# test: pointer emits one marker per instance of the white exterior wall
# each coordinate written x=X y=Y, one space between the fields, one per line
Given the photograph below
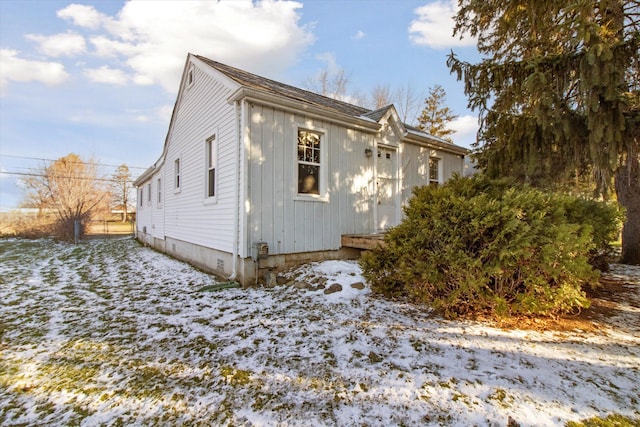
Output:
x=189 y=215
x=415 y=167
x=277 y=215
x=143 y=212
x=156 y=207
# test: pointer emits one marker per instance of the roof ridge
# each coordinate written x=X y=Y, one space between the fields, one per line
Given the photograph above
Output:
x=247 y=78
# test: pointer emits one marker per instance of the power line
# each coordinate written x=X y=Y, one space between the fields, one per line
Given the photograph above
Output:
x=55 y=160
x=86 y=178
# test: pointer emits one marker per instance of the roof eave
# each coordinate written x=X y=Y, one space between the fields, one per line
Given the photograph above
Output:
x=145 y=176
x=437 y=143
x=296 y=106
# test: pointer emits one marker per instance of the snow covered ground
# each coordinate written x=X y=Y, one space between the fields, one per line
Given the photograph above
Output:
x=108 y=332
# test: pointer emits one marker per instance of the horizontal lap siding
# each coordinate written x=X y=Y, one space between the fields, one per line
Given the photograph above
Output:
x=143 y=213
x=276 y=217
x=203 y=112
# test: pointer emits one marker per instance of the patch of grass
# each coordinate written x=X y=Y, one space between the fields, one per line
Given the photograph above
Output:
x=235 y=376
x=614 y=420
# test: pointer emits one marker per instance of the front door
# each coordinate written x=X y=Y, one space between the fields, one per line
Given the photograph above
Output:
x=387 y=187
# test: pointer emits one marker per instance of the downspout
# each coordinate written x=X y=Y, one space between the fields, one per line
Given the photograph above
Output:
x=236 y=199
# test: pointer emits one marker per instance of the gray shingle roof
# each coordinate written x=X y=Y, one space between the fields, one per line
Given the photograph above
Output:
x=254 y=81
x=251 y=80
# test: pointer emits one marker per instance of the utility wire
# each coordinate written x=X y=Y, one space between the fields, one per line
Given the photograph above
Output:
x=87 y=178
x=55 y=160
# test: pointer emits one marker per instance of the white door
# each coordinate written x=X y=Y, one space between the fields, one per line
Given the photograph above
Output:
x=387 y=187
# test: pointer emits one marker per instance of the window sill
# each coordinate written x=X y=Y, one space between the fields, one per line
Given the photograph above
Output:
x=210 y=201
x=311 y=198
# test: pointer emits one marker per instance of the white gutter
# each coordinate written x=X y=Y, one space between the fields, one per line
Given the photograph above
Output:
x=236 y=199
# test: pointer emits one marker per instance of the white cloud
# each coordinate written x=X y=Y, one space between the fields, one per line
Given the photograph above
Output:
x=24 y=70
x=434 y=24
x=108 y=48
x=64 y=44
x=466 y=128
x=154 y=37
x=83 y=16
x=359 y=35
x=329 y=58
x=106 y=75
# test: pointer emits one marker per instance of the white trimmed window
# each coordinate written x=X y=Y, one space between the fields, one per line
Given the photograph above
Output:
x=149 y=194
x=141 y=197
x=212 y=159
x=310 y=146
x=434 y=171
x=159 y=190
x=176 y=172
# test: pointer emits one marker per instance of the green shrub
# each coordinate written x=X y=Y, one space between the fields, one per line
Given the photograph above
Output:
x=476 y=245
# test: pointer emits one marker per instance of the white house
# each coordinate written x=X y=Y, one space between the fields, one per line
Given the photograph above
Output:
x=256 y=175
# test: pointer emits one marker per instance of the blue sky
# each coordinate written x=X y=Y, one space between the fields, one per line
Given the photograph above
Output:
x=99 y=78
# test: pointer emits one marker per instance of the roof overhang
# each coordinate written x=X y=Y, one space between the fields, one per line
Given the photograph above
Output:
x=297 y=106
x=426 y=140
x=145 y=176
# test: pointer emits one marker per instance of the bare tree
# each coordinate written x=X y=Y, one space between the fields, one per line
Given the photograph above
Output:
x=381 y=96
x=121 y=187
x=407 y=102
x=71 y=189
x=334 y=85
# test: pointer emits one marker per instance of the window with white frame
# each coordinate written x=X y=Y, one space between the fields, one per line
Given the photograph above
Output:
x=211 y=166
x=141 y=196
x=434 y=171
x=159 y=190
x=309 y=162
x=149 y=193
x=176 y=172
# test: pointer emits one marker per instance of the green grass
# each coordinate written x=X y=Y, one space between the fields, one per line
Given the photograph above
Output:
x=614 y=420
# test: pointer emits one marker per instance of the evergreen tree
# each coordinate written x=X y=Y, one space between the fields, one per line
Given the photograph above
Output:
x=558 y=94
x=435 y=116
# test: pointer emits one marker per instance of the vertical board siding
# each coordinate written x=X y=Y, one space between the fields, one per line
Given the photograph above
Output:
x=277 y=216
x=415 y=160
x=268 y=175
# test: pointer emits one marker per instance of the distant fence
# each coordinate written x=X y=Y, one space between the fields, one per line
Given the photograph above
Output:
x=98 y=228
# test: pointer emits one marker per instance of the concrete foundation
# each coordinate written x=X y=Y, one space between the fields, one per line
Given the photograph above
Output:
x=249 y=272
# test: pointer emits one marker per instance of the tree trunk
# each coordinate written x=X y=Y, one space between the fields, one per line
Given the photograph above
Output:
x=628 y=191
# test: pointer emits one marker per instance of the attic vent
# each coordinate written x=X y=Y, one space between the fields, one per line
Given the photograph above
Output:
x=190 y=77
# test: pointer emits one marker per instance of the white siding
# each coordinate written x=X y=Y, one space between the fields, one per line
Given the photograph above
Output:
x=157 y=210
x=276 y=215
x=415 y=167
x=189 y=215
x=143 y=210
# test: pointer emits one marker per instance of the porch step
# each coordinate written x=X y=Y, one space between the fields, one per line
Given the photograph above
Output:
x=362 y=241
